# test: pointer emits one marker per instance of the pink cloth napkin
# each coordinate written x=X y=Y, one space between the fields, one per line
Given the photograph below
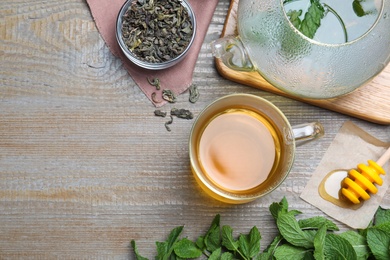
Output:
x=177 y=78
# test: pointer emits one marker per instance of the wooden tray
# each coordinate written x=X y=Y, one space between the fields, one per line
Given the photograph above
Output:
x=370 y=102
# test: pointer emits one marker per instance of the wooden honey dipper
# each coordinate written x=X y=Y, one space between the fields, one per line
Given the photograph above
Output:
x=360 y=181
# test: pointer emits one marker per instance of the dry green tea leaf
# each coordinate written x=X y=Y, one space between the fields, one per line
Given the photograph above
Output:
x=194 y=93
x=155 y=82
x=168 y=123
x=159 y=113
x=169 y=96
x=182 y=113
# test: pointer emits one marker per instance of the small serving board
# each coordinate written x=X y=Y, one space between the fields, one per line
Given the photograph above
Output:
x=370 y=102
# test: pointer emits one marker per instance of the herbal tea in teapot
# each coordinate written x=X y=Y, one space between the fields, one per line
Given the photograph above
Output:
x=310 y=48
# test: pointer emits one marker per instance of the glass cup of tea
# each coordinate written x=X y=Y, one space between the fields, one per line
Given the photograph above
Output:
x=242 y=147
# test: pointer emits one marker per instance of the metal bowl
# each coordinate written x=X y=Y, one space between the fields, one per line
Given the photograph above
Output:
x=152 y=65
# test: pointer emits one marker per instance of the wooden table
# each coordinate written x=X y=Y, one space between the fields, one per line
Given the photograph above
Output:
x=85 y=166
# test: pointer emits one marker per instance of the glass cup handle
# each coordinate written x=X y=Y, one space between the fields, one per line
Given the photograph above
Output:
x=308 y=131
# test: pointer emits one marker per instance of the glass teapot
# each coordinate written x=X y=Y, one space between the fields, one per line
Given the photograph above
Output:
x=270 y=44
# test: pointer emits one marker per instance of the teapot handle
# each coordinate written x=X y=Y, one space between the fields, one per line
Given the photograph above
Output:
x=232 y=52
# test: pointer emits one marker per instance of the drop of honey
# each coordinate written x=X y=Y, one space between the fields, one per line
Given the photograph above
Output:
x=330 y=189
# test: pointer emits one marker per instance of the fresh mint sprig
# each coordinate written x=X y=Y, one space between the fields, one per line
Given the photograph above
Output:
x=311 y=238
x=312 y=18
x=309 y=25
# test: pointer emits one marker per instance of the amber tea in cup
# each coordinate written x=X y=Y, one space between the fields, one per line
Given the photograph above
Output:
x=242 y=147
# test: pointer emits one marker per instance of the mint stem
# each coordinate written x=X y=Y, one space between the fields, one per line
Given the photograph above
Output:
x=339 y=19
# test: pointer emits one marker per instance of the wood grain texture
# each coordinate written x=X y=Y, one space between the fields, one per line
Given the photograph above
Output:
x=370 y=102
x=85 y=166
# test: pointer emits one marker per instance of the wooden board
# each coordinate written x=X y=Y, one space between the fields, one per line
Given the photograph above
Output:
x=370 y=102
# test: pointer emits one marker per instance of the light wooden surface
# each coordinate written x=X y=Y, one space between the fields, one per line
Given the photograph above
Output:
x=369 y=102
x=85 y=166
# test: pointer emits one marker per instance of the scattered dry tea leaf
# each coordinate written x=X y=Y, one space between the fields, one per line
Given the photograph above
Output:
x=155 y=82
x=194 y=93
x=182 y=113
x=159 y=113
x=154 y=98
x=168 y=123
x=169 y=96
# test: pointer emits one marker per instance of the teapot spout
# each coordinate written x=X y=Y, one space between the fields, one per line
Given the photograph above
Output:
x=232 y=52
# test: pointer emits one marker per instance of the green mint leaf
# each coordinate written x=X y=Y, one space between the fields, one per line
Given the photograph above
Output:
x=135 y=248
x=293 y=16
x=290 y=252
x=165 y=249
x=269 y=251
x=316 y=223
x=289 y=228
x=200 y=243
x=288 y=1
x=378 y=239
x=162 y=250
x=382 y=216
x=310 y=234
x=336 y=247
x=358 y=9
x=212 y=239
x=186 y=249
x=227 y=256
x=275 y=207
x=216 y=254
x=254 y=242
x=384 y=226
x=294 y=212
x=319 y=240
x=312 y=20
x=228 y=240
x=264 y=256
x=281 y=207
x=250 y=244
x=358 y=242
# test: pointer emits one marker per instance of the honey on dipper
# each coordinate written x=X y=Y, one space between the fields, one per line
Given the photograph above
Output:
x=361 y=181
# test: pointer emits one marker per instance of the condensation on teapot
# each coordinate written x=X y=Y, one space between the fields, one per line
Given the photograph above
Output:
x=269 y=44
